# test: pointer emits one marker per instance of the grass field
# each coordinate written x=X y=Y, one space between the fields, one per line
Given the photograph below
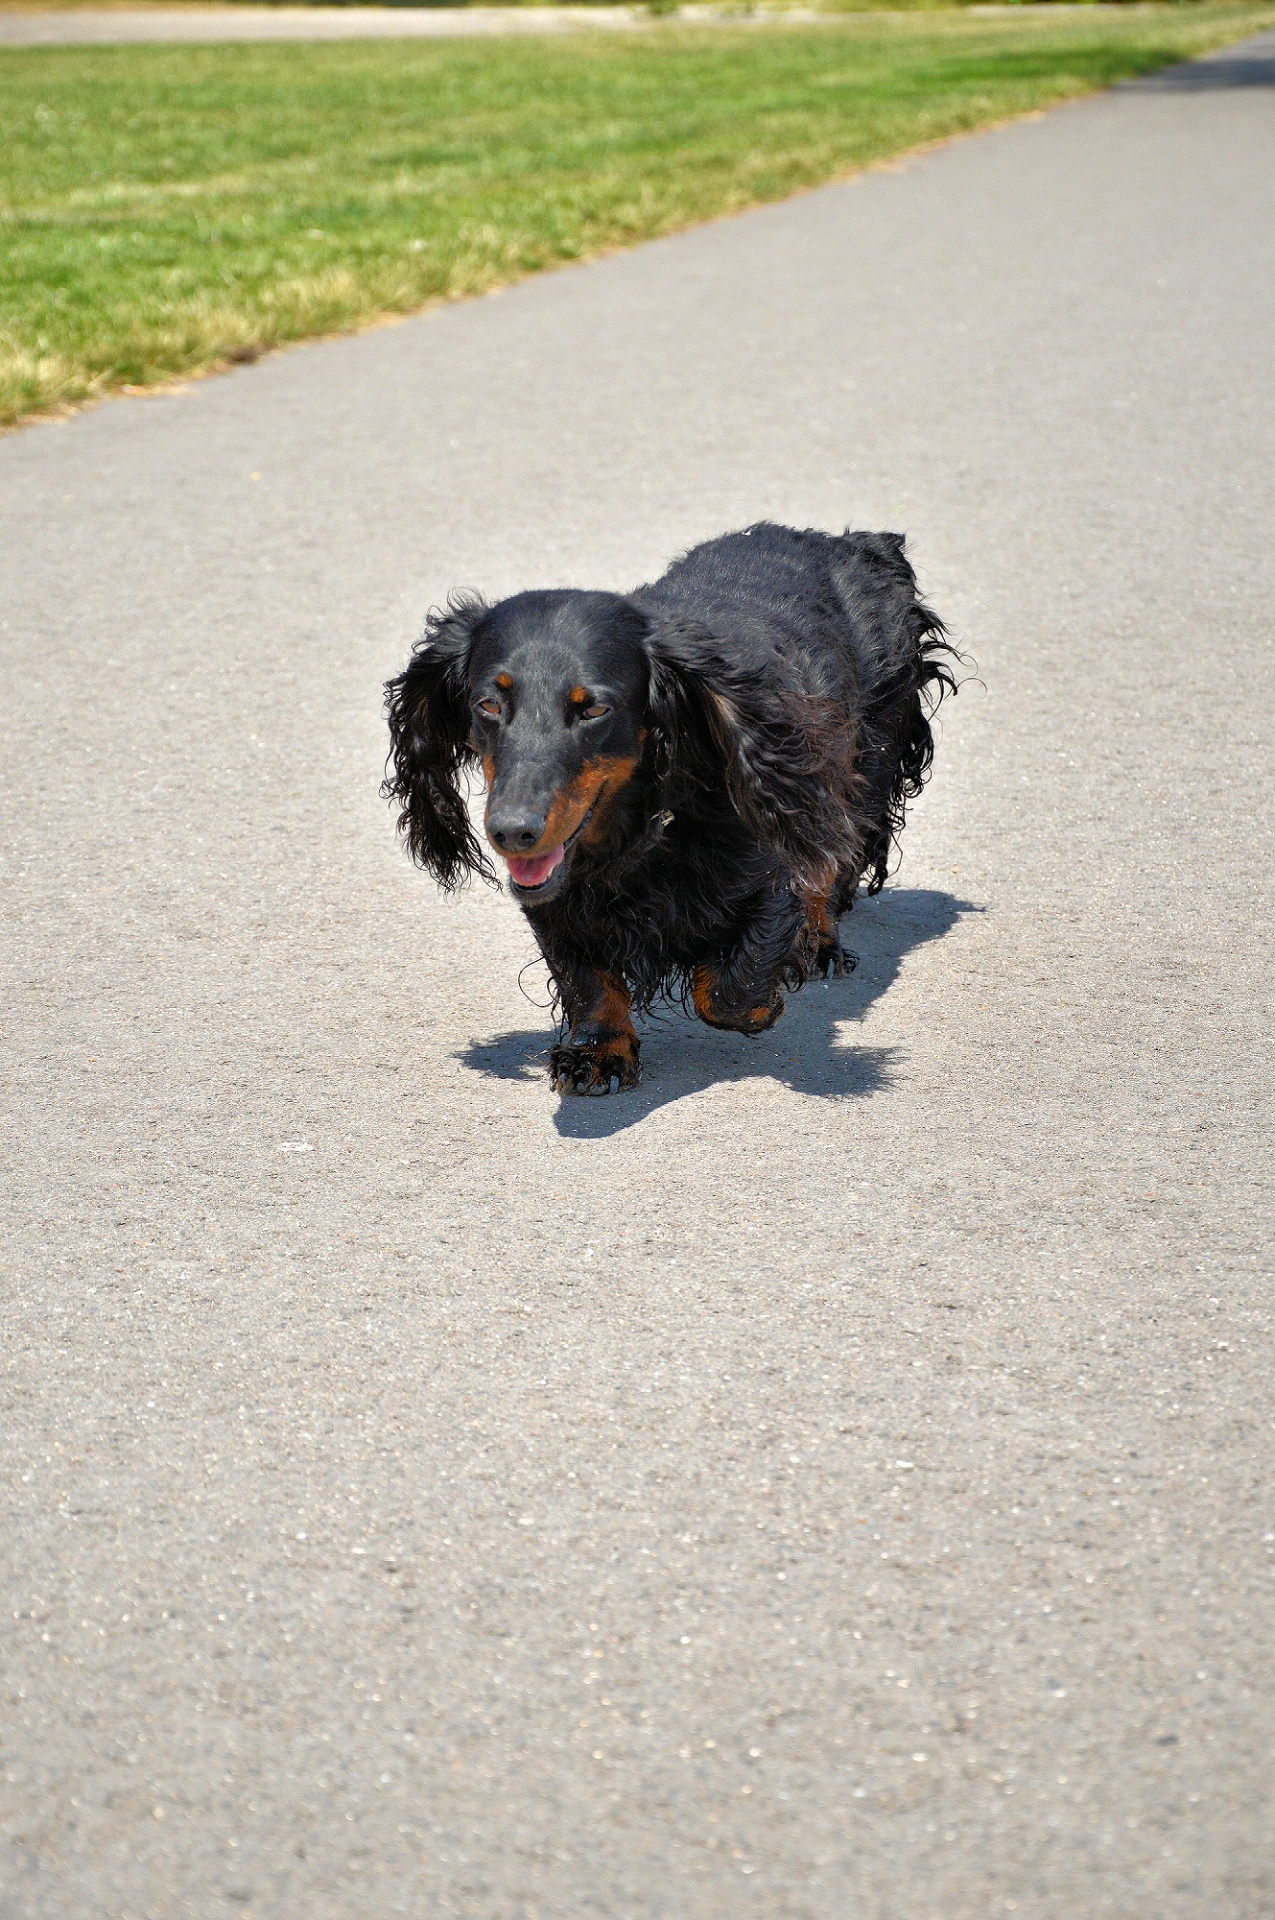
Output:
x=166 y=209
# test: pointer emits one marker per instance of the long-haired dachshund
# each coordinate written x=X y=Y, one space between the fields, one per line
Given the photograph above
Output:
x=686 y=783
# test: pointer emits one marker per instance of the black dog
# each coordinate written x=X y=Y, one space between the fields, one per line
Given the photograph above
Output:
x=687 y=783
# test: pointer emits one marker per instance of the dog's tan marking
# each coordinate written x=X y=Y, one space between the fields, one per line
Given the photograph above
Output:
x=703 y=990
x=702 y=984
x=619 y=771
x=504 y=681
x=610 y=1017
x=819 y=923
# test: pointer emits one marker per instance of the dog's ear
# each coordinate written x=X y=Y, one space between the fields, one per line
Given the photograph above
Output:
x=715 y=719
x=428 y=709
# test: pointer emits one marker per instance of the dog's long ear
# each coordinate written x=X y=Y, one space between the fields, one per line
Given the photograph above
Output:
x=716 y=719
x=428 y=709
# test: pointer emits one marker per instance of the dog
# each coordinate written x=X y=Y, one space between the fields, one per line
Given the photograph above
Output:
x=687 y=784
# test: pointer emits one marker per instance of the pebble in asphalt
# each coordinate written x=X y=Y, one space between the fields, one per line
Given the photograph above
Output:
x=835 y=1480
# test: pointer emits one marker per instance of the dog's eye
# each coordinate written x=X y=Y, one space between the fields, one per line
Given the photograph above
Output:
x=595 y=713
x=489 y=709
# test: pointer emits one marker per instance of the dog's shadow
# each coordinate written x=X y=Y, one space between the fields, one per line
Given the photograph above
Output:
x=681 y=1056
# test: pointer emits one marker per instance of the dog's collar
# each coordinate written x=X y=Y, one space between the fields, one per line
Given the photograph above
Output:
x=653 y=835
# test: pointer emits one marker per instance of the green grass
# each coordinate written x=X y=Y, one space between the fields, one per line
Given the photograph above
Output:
x=166 y=209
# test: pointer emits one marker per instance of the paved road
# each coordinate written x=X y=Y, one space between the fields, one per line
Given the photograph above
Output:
x=94 y=26
x=834 y=1482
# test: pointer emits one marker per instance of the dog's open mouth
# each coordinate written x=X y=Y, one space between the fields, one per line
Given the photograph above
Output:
x=530 y=874
x=541 y=875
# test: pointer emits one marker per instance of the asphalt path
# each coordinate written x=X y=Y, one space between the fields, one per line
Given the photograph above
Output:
x=107 y=26
x=835 y=1480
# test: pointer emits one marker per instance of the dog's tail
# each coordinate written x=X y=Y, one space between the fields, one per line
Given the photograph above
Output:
x=906 y=663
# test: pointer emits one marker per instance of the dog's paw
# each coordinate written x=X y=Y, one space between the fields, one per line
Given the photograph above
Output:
x=715 y=1012
x=754 y=1019
x=833 y=961
x=748 y=1020
x=597 y=1069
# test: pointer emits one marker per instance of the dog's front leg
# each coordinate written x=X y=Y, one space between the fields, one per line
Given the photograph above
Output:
x=741 y=993
x=600 y=1052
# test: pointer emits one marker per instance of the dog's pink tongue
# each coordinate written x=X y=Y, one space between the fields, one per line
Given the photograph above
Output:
x=534 y=873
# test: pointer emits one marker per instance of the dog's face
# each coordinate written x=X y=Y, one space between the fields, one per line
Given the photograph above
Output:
x=558 y=695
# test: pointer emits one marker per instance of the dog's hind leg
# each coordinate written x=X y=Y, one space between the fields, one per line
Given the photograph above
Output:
x=823 y=956
x=742 y=991
x=600 y=1052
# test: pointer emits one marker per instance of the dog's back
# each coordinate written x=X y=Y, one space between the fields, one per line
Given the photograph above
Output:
x=842 y=611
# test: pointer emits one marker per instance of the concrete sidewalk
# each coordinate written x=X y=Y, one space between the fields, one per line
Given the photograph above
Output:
x=832 y=1483
x=107 y=26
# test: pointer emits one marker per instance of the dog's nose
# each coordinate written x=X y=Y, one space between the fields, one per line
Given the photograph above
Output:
x=516 y=832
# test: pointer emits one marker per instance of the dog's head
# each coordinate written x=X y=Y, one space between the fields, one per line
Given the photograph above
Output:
x=575 y=704
x=548 y=693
